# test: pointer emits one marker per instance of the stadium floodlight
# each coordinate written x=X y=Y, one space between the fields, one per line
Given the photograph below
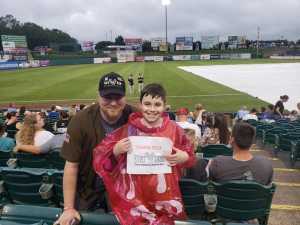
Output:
x=165 y=3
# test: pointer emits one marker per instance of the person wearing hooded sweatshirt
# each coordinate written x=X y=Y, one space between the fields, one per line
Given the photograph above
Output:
x=144 y=198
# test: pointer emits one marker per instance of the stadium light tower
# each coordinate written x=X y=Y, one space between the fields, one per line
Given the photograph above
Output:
x=165 y=3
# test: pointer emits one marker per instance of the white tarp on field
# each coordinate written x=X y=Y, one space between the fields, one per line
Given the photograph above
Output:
x=265 y=81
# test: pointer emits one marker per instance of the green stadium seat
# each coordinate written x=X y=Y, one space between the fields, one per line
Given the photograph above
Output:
x=244 y=200
x=57 y=179
x=4 y=156
x=210 y=151
x=295 y=152
x=98 y=219
x=110 y=219
x=192 y=222
x=28 y=214
x=261 y=128
x=29 y=160
x=23 y=185
x=252 y=122
x=55 y=161
x=193 y=196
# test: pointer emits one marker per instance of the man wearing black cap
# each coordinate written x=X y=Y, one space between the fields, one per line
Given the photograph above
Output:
x=82 y=191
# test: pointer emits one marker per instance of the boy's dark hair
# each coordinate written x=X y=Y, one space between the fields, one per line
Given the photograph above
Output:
x=243 y=134
x=155 y=90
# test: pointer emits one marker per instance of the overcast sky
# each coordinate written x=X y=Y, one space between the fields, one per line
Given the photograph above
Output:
x=97 y=20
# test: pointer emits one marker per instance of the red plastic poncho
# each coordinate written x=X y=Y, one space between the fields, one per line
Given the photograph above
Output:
x=134 y=198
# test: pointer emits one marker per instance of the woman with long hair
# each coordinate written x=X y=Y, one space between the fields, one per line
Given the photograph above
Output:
x=217 y=131
x=32 y=132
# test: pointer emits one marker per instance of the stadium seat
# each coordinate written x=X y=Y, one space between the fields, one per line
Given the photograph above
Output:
x=57 y=179
x=295 y=152
x=55 y=161
x=4 y=156
x=110 y=219
x=98 y=219
x=192 y=222
x=28 y=214
x=32 y=161
x=193 y=196
x=210 y=151
x=23 y=186
x=244 y=200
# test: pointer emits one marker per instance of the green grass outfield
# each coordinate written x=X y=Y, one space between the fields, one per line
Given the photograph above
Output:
x=80 y=82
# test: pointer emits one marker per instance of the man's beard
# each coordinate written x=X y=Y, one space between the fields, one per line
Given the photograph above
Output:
x=112 y=115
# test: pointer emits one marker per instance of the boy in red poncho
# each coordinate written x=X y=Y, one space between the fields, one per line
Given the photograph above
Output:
x=144 y=198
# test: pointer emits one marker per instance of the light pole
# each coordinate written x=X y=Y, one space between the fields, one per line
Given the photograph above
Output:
x=165 y=3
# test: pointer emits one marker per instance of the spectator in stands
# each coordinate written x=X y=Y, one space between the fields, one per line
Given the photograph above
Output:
x=197 y=114
x=171 y=114
x=72 y=111
x=62 y=124
x=11 y=107
x=82 y=107
x=53 y=114
x=182 y=121
x=32 y=132
x=251 y=115
x=10 y=124
x=6 y=144
x=241 y=113
x=86 y=129
x=217 y=131
x=293 y=115
x=242 y=165
x=21 y=114
x=279 y=107
x=55 y=143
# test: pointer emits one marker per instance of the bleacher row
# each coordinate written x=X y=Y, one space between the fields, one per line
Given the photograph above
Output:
x=282 y=135
x=27 y=187
x=31 y=192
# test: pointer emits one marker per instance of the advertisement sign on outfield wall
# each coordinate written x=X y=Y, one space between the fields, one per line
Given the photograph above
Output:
x=149 y=58
x=205 y=57
x=8 y=65
x=181 y=57
x=158 y=58
x=139 y=59
x=102 y=60
x=44 y=63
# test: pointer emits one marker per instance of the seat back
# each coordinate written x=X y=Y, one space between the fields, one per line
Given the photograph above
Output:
x=57 y=179
x=244 y=200
x=55 y=160
x=210 y=151
x=27 y=214
x=32 y=161
x=98 y=219
x=4 y=156
x=22 y=186
x=193 y=196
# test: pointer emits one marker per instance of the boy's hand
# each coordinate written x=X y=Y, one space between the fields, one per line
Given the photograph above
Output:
x=177 y=158
x=121 y=147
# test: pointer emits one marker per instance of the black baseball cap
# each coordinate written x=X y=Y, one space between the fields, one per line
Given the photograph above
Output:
x=112 y=84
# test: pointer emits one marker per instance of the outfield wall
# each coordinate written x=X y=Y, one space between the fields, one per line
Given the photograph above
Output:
x=4 y=65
